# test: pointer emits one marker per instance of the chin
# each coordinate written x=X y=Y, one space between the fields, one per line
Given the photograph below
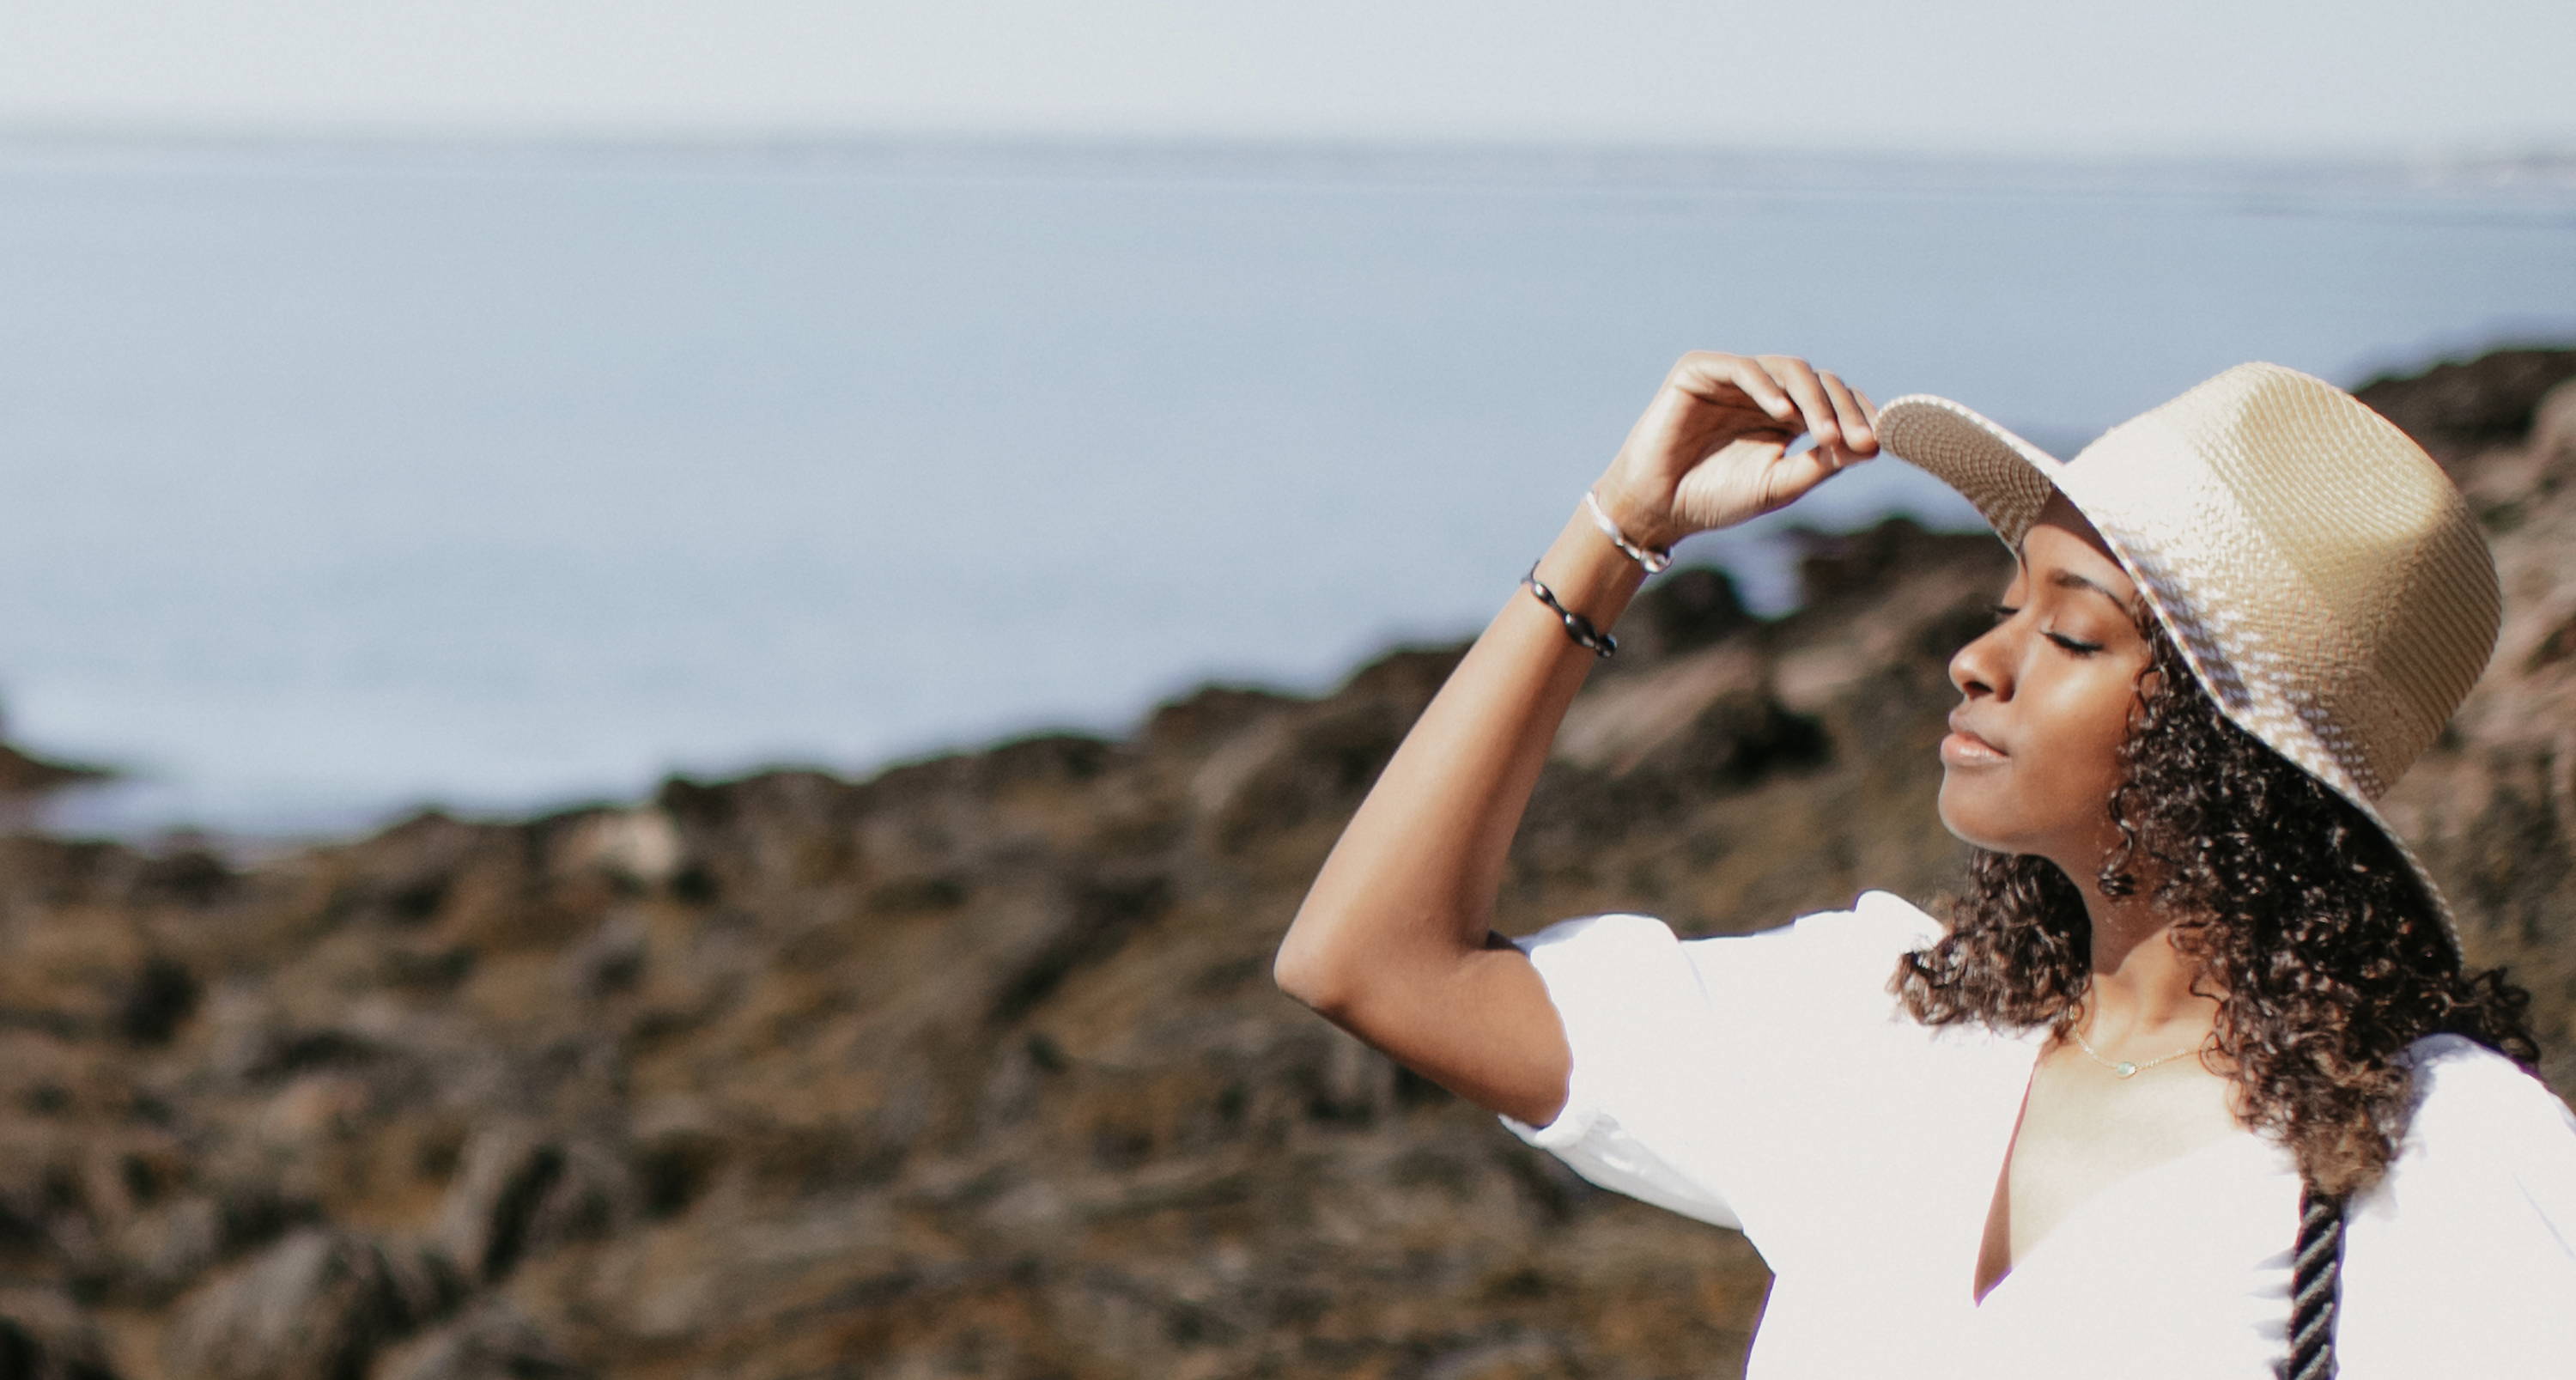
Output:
x=1978 y=827
x=1997 y=827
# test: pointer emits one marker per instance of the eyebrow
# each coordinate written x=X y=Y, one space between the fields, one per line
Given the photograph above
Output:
x=2068 y=579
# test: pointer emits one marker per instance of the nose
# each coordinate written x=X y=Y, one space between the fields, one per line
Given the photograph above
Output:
x=1984 y=666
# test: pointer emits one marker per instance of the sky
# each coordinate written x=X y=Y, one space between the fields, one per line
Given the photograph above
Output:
x=2019 y=76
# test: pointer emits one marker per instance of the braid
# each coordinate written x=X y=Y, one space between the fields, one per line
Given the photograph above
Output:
x=2316 y=1287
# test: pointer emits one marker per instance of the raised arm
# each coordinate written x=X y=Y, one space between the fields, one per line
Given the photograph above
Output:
x=1394 y=942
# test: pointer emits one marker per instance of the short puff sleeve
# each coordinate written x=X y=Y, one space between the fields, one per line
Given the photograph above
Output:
x=2461 y=1260
x=1695 y=1062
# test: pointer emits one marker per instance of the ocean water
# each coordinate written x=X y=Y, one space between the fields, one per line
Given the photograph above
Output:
x=341 y=479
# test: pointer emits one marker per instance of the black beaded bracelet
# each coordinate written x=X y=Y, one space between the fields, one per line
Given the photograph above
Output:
x=1577 y=626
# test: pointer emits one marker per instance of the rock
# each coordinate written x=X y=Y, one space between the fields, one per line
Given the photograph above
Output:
x=1209 y=716
x=163 y=993
x=2460 y=406
x=493 y=1341
x=44 y=1335
x=1682 y=610
x=519 y=1194
x=1620 y=727
x=1094 y=917
x=610 y=961
x=316 y=1306
x=641 y=848
x=27 y=780
x=1315 y=763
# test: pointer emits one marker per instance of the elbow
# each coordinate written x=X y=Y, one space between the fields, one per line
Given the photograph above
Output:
x=1314 y=965
x=1305 y=977
x=1333 y=968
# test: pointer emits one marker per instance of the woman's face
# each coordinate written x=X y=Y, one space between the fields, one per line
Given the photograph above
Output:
x=2033 y=753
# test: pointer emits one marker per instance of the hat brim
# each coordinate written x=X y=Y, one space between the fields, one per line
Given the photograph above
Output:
x=2010 y=481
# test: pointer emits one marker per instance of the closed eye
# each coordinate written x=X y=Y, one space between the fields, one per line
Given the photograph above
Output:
x=2074 y=645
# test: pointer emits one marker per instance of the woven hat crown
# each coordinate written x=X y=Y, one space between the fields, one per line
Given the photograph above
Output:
x=2323 y=577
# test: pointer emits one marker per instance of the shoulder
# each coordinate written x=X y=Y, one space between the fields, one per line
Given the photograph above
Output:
x=1870 y=933
x=1634 y=961
x=2468 y=1096
x=1877 y=924
x=1618 y=956
x=2484 y=1144
x=1616 y=971
x=2461 y=1259
x=1826 y=968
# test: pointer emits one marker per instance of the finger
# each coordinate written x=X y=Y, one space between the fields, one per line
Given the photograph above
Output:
x=1712 y=376
x=1817 y=409
x=1835 y=459
x=1792 y=477
x=1858 y=436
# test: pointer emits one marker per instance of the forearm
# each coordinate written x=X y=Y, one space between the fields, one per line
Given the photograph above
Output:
x=1415 y=875
x=1391 y=943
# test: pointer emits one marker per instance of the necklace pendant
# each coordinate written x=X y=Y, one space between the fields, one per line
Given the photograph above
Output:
x=2124 y=1068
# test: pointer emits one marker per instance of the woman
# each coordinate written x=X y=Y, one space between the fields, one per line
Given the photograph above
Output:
x=2196 y=1003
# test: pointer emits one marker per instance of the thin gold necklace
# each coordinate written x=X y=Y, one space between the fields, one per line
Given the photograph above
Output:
x=2124 y=1068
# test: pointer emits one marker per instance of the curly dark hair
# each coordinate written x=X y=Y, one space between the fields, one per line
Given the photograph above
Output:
x=2326 y=956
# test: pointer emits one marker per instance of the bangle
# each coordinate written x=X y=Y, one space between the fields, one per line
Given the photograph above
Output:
x=1653 y=560
x=1577 y=626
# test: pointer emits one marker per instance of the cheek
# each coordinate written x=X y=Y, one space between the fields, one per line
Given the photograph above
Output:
x=2058 y=782
x=2076 y=737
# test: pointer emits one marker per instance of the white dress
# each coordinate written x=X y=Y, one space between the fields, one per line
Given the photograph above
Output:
x=1770 y=1082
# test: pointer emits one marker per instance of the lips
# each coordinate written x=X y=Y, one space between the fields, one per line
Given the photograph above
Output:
x=1965 y=746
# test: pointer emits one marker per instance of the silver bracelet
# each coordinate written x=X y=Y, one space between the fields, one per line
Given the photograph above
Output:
x=1652 y=560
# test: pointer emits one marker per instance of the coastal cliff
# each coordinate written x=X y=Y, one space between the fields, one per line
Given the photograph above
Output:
x=975 y=1067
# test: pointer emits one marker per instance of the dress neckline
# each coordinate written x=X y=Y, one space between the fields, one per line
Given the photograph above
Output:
x=2101 y=1199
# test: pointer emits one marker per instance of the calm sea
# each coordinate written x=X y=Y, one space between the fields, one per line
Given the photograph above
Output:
x=342 y=478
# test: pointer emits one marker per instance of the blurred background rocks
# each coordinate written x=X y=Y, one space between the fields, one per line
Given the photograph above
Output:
x=976 y=1068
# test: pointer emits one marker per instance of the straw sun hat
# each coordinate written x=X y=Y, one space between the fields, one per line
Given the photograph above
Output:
x=2328 y=586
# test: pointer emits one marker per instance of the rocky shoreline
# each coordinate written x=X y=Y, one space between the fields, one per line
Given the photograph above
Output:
x=975 y=1067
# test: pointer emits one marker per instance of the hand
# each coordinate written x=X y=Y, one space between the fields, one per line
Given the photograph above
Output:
x=1712 y=449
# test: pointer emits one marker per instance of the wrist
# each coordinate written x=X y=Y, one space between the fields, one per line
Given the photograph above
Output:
x=1590 y=575
x=1641 y=524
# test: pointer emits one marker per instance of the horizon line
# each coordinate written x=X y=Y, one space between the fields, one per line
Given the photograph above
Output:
x=2551 y=151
